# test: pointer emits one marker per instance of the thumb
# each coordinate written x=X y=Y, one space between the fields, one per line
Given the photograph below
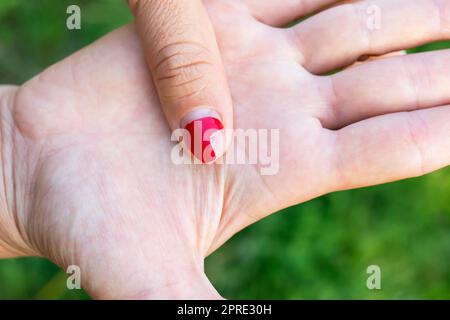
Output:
x=185 y=63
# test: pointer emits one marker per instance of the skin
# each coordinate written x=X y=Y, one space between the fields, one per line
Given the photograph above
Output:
x=87 y=174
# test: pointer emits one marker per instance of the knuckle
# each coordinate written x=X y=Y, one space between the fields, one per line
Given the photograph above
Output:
x=417 y=130
x=183 y=69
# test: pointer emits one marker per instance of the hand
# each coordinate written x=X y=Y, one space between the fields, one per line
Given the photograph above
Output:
x=184 y=60
x=87 y=169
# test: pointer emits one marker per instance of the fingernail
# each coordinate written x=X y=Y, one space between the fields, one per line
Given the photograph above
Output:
x=205 y=134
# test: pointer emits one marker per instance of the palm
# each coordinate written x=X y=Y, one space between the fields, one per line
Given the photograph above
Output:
x=109 y=199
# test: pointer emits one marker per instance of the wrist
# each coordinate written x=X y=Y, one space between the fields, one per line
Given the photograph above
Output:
x=175 y=280
x=193 y=286
x=12 y=241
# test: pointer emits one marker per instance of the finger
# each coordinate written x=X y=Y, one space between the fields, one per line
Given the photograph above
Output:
x=339 y=36
x=273 y=13
x=4 y=89
x=403 y=83
x=392 y=147
x=365 y=59
x=187 y=70
x=7 y=93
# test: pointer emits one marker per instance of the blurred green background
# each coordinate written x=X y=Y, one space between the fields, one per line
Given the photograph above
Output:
x=317 y=250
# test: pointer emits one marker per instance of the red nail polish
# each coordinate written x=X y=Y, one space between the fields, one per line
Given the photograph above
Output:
x=201 y=131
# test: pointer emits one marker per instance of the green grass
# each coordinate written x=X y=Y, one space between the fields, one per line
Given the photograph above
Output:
x=316 y=250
